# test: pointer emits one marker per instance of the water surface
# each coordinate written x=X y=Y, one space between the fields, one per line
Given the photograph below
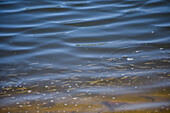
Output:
x=85 y=56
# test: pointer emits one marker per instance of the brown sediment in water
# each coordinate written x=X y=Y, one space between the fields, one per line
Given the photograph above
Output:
x=84 y=56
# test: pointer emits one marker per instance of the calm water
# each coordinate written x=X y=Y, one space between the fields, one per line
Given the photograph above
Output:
x=85 y=56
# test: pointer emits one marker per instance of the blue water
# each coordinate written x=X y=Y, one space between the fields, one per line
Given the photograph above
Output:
x=95 y=49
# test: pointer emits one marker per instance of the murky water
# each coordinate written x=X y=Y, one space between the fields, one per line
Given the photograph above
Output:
x=85 y=56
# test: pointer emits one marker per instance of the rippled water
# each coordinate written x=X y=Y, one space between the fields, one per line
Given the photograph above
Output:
x=86 y=56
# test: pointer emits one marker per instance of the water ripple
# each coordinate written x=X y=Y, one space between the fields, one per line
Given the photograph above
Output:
x=67 y=56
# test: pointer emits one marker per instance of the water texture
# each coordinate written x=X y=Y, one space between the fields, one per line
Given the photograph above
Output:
x=84 y=56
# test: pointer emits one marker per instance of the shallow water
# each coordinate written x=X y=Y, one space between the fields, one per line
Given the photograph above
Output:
x=88 y=56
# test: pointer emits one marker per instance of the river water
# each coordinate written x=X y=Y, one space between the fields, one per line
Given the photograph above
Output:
x=84 y=56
